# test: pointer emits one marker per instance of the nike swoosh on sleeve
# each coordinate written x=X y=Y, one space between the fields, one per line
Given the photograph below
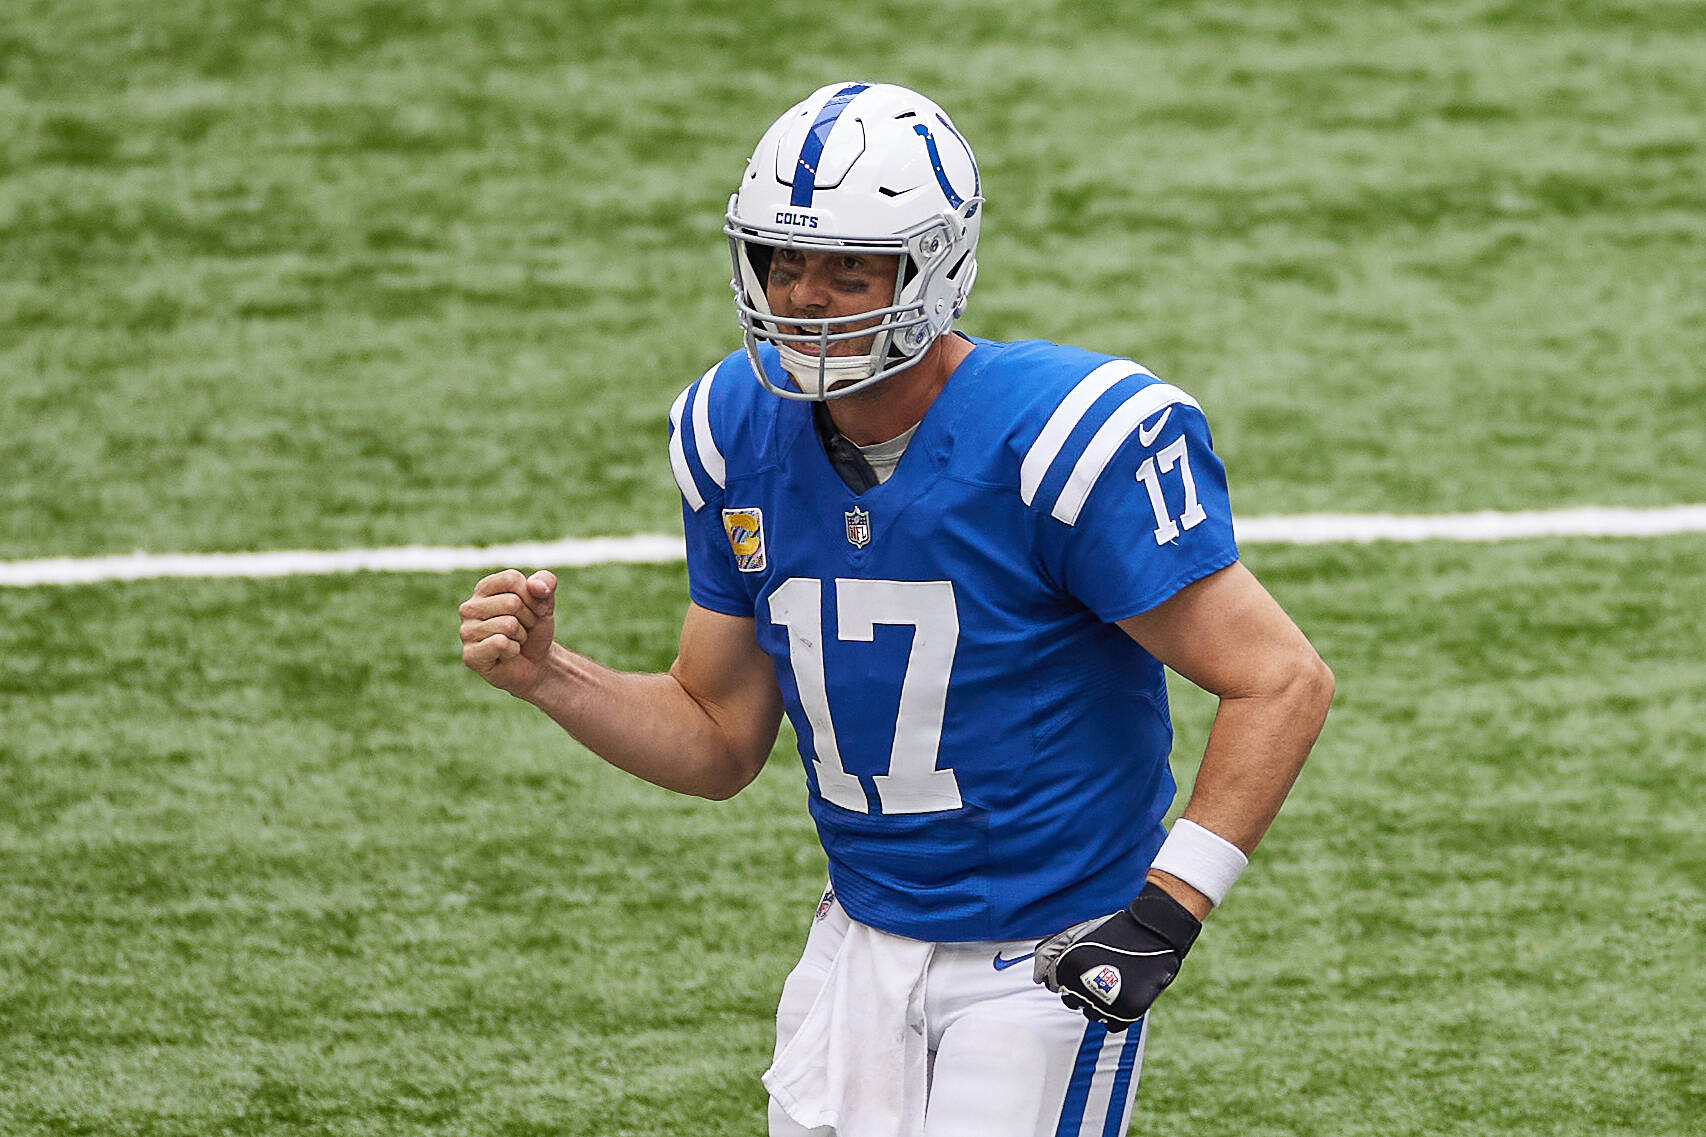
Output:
x=1146 y=435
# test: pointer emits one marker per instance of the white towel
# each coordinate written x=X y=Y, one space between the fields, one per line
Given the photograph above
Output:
x=860 y=1061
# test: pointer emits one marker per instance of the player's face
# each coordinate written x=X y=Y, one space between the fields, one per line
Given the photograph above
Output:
x=815 y=286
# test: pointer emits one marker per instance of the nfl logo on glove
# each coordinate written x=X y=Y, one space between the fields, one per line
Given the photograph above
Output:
x=1104 y=981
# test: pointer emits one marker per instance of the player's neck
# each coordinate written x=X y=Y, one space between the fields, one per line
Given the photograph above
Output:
x=897 y=404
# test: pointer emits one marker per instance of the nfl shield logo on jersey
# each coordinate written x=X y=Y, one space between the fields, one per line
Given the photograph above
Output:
x=745 y=528
x=1103 y=982
x=858 y=527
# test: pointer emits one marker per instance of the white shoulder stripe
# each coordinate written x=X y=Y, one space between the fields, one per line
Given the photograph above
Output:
x=678 y=456
x=709 y=455
x=1043 y=451
x=1125 y=419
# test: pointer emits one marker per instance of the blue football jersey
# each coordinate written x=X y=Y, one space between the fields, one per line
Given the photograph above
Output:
x=986 y=752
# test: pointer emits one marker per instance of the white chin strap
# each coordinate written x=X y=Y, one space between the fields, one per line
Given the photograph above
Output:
x=817 y=374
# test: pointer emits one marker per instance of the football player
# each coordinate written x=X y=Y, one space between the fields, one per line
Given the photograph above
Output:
x=959 y=567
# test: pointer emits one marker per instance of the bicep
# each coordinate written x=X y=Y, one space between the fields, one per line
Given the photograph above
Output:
x=1226 y=634
x=722 y=668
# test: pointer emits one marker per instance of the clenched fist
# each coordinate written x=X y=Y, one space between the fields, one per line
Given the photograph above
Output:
x=1113 y=967
x=507 y=628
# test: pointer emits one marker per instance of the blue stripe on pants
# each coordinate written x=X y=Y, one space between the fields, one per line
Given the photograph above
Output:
x=1122 y=1080
x=1083 y=1072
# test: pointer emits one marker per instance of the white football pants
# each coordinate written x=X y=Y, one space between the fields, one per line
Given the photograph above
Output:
x=1006 y=1058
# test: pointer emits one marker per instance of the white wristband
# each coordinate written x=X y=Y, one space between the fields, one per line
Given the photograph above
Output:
x=1202 y=859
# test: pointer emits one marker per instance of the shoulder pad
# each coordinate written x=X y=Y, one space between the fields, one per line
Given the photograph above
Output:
x=718 y=429
x=694 y=456
x=1064 y=461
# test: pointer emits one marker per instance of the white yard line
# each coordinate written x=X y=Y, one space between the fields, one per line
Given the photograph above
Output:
x=1301 y=529
x=567 y=553
x=1588 y=521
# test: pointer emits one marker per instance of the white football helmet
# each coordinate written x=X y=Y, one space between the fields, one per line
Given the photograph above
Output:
x=857 y=168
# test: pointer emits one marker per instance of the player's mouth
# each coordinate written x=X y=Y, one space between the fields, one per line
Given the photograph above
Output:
x=810 y=344
x=807 y=343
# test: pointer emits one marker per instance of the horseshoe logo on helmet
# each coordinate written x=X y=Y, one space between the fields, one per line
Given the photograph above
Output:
x=954 y=199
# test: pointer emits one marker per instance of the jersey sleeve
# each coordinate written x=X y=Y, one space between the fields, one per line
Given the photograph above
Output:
x=1143 y=510
x=713 y=581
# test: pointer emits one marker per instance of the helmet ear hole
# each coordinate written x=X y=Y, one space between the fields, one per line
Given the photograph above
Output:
x=759 y=256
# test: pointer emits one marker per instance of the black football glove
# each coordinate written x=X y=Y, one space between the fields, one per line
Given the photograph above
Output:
x=1113 y=967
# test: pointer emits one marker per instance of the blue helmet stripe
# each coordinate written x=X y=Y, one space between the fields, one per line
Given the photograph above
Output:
x=805 y=169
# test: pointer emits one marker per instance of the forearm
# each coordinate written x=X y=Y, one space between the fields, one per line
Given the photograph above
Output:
x=645 y=724
x=1256 y=749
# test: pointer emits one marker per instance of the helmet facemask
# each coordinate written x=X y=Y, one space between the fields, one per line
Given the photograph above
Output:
x=929 y=293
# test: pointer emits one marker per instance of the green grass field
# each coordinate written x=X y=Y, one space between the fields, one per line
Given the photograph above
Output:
x=336 y=274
